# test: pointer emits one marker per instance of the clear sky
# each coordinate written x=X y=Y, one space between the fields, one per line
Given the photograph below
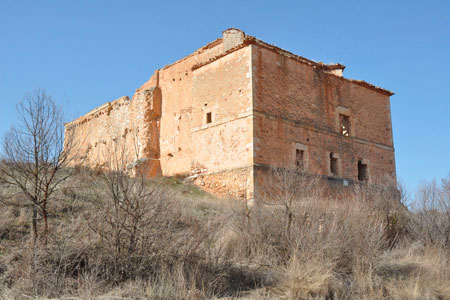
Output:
x=86 y=53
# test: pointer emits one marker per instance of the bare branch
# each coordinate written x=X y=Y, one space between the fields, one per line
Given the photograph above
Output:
x=35 y=152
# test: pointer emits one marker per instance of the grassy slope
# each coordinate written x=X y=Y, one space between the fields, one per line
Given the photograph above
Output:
x=214 y=248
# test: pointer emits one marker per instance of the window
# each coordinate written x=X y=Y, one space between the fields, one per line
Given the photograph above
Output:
x=362 y=171
x=300 y=158
x=334 y=164
x=344 y=124
x=208 y=117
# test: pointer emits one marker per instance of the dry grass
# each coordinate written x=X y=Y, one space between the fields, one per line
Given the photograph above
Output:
x=157 y=241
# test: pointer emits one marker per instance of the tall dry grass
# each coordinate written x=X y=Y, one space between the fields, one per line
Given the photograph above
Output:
x=114 y=237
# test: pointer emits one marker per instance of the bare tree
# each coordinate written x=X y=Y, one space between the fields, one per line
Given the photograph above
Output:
x=34 y=156
x=289 y=188
x=431 y=220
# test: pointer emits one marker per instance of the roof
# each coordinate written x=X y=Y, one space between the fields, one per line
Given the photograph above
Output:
x=319 y=65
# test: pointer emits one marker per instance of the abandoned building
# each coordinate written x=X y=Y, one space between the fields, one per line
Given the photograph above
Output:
x=237 y=106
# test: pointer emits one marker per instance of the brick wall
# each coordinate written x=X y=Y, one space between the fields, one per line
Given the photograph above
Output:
x=298 y=104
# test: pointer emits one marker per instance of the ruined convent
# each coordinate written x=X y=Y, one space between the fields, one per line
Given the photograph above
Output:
x=237 y=106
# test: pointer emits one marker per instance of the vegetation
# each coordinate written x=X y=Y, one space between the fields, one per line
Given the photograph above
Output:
x=34 y=156
x=116 y=237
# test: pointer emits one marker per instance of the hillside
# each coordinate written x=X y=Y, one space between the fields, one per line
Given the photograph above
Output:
x=115 y=237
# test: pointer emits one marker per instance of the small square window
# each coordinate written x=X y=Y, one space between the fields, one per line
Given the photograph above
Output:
x=208 y=117
x=344 y=124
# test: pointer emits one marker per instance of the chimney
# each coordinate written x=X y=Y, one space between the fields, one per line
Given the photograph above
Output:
x=231 y=38
x=338 y=72
x=335 y=69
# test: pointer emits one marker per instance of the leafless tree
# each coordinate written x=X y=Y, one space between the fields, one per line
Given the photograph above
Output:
x=431 y=221
x=288 y=188
x=35 y=154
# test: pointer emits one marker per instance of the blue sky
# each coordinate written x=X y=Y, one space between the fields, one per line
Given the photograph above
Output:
x=88 y=52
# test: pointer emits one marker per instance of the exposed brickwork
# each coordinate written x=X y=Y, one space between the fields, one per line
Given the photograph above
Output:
x=238 y=103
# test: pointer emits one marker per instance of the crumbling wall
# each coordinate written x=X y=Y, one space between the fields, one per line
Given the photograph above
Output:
x=121 y=134
x=234 y=183
x=147 y=113
x=98 y=133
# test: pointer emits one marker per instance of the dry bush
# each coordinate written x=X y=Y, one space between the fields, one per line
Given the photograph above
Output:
x=144 y=243
x=386 y=199
x=137 y=225
x=431 y=220
x=317 y=257
x=54 y=263
x=316 y=247
x=409 y=272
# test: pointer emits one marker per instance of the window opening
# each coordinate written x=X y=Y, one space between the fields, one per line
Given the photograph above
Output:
x=334 y=165
x=362 y=171
x=344 y=124
x=299 y=158
x=208 y=117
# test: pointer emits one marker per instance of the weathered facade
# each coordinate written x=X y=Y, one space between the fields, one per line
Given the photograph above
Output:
x=225 y=113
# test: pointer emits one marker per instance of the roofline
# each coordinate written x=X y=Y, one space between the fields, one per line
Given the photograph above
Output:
x=250 y=40
x=98 y=109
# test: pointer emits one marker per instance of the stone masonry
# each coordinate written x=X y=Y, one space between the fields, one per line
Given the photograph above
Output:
x=237 y=106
